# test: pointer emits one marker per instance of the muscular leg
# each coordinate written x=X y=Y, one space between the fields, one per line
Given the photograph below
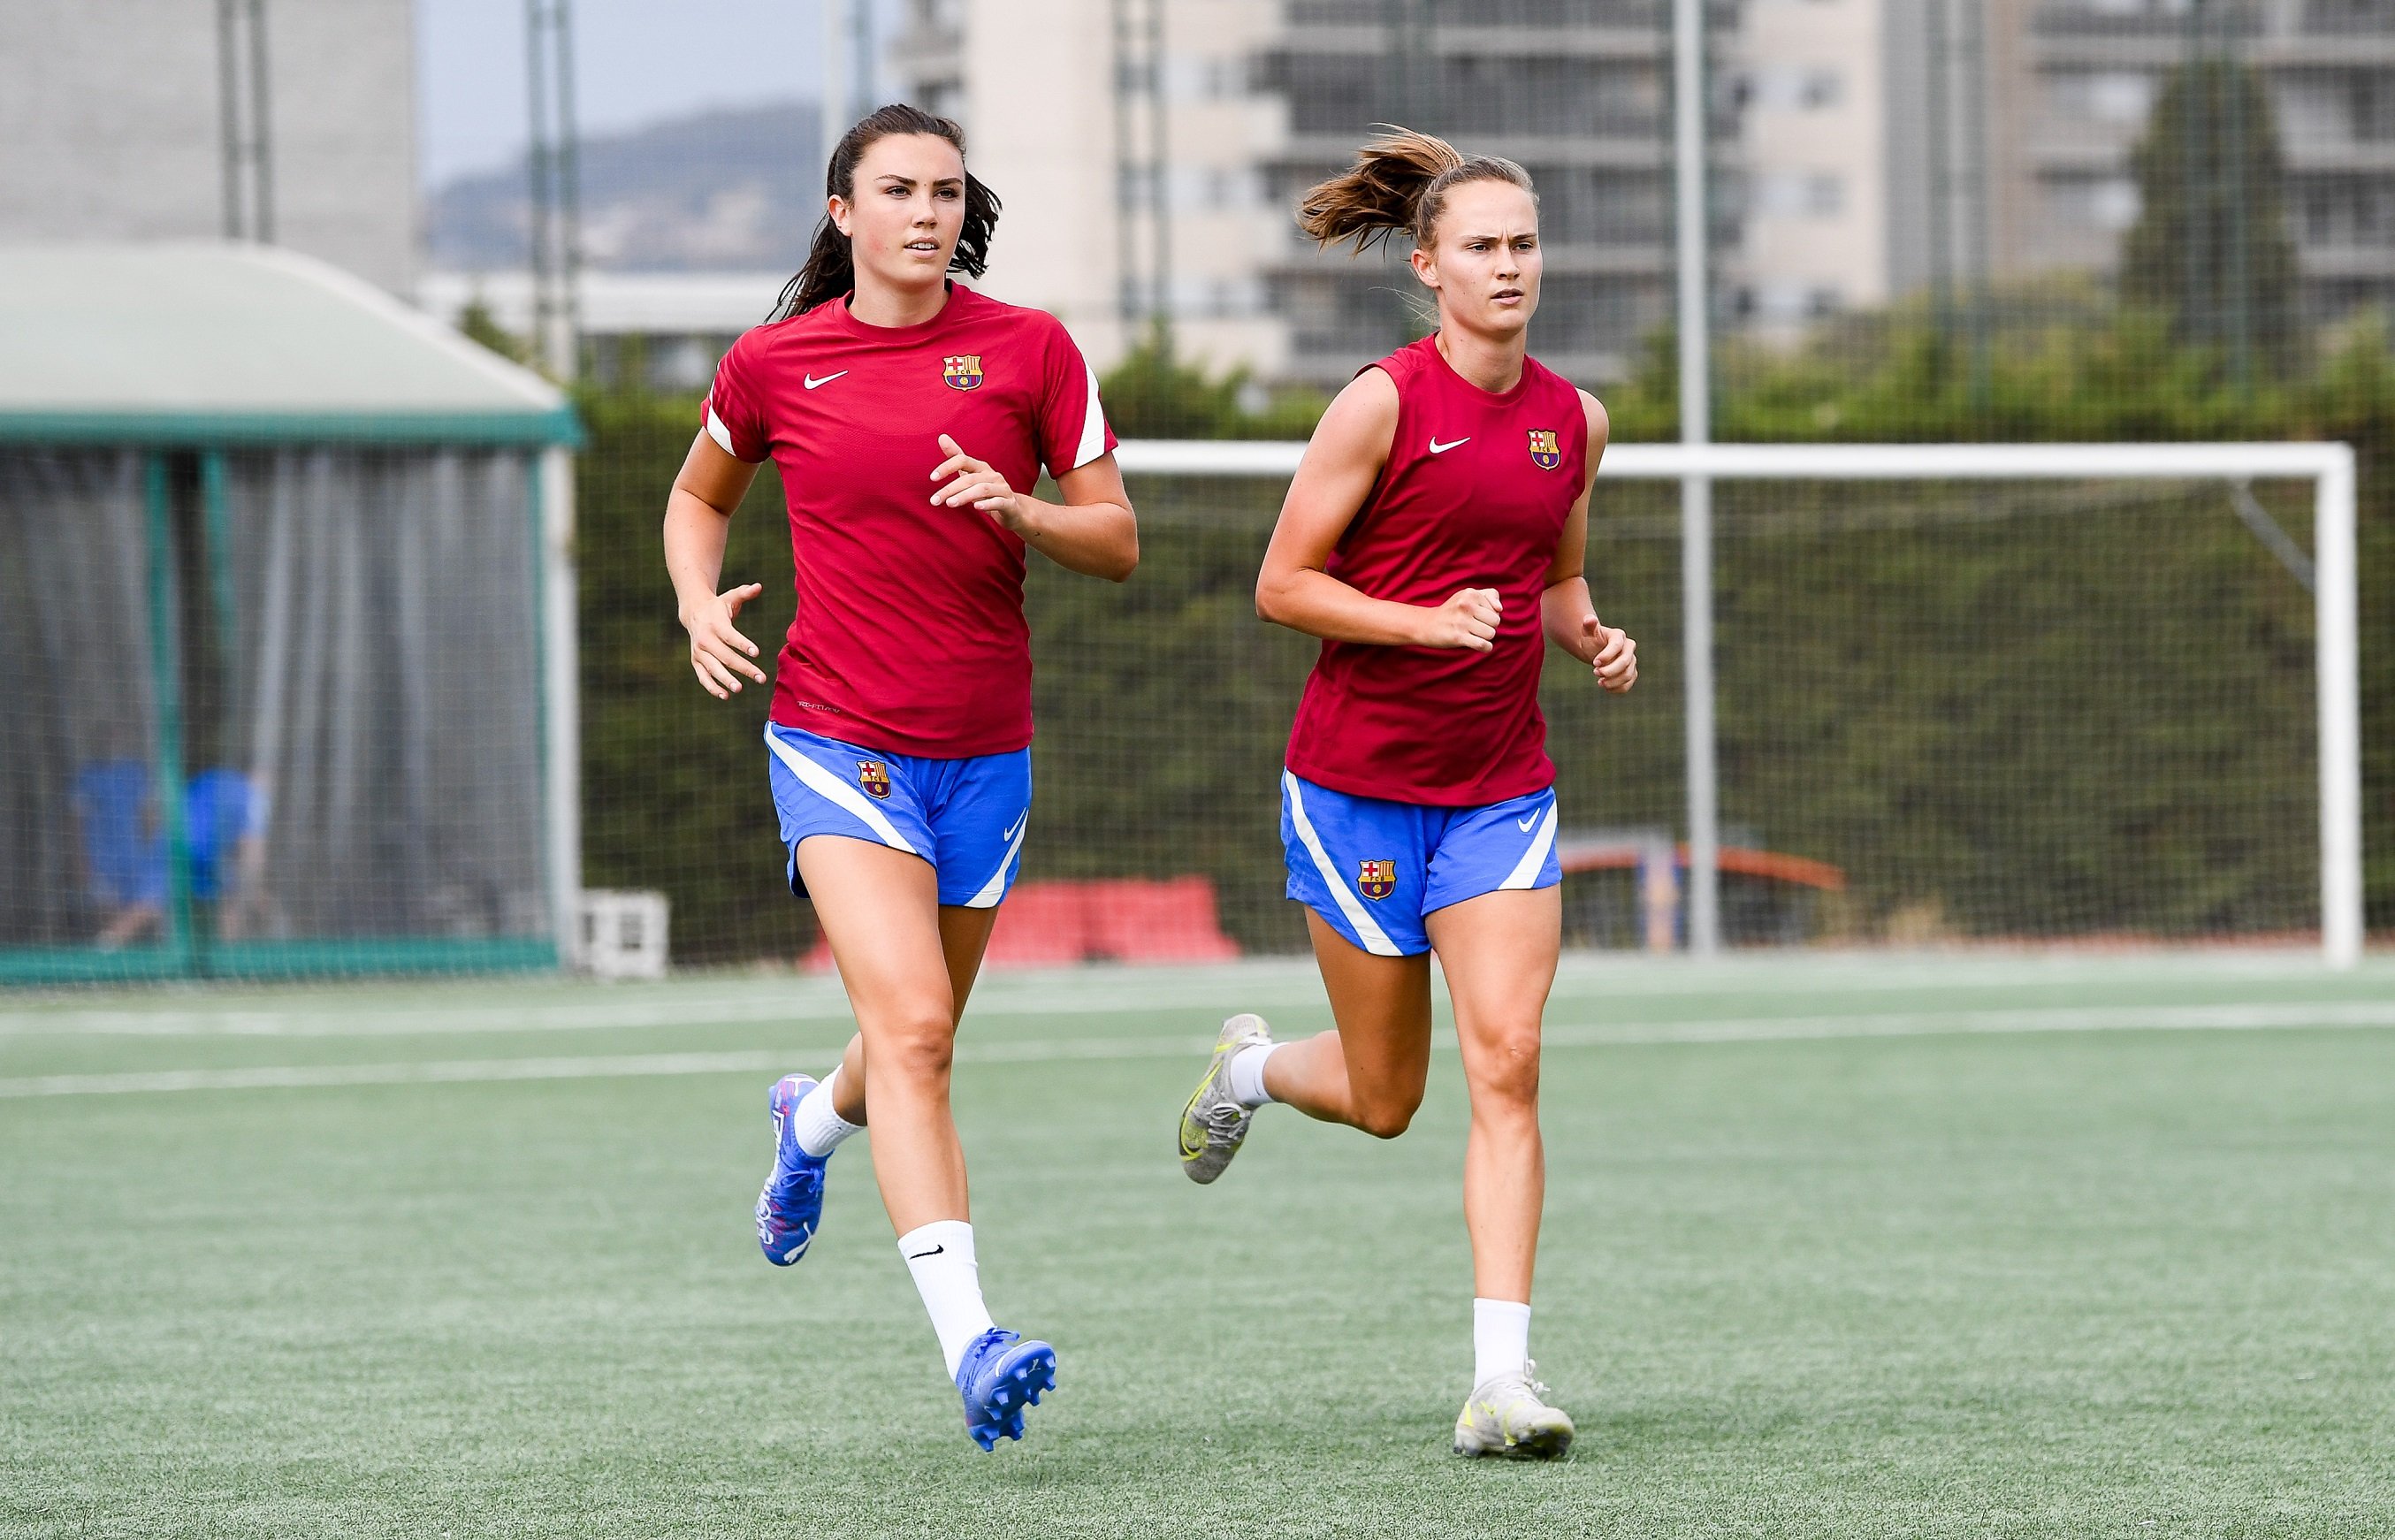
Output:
x=1370 y=1072
x=1499 y=953
x=964 y=935
x=908 y=963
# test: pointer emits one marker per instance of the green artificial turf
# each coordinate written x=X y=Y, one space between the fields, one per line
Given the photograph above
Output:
x=1854 y=1248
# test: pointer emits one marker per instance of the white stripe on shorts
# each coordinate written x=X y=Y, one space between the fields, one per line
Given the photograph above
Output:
x=1527 y=871
x=1376 y=940
x=822 y=782
x=995 y=889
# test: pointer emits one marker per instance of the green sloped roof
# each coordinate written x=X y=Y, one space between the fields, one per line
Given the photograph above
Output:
x=201 y=343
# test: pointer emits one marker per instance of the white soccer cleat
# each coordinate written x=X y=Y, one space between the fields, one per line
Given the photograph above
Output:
x=1506 y=1418
x=1213 y=1123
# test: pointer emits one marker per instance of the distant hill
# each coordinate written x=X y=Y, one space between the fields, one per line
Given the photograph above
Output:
x=741 y=188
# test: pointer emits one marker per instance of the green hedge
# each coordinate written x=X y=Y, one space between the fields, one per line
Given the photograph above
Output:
x=2102 y=725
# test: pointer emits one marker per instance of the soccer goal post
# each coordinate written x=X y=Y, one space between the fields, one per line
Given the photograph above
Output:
x=2086 y=693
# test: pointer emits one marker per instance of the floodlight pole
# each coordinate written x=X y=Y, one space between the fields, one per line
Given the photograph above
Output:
x=833 y=106
x=553 y=158
x=1696 y=491
x=848 y=75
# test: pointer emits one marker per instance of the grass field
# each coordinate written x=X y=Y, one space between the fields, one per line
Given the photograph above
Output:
x=1841 y=1247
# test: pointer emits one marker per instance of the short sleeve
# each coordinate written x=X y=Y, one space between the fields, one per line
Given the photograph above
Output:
x=1073 y=429
x=734 y=411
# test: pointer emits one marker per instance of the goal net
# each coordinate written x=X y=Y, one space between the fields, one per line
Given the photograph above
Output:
x=1960 y=695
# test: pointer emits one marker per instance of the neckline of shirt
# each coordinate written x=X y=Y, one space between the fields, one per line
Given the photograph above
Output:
x=1494 y=398
x=957 y=294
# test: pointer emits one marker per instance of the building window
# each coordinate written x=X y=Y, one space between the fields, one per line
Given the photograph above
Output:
x=1799 y=194
x=2118 y=95
x=2373 y=105
x=2107 y=203
x=1792 y=89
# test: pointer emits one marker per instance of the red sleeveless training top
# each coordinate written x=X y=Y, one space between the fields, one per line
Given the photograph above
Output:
x=1474 y=494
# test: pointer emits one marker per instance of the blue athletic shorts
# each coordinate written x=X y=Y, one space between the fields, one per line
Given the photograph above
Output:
x=966 y=816
x=1374 y=868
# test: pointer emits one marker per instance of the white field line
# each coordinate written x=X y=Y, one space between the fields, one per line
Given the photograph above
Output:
x=2249 y=1018
x=1112 y=991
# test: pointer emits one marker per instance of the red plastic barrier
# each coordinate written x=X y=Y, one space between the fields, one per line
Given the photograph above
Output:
x=1123 y=919
x=1172 y=921
x=1040 y=925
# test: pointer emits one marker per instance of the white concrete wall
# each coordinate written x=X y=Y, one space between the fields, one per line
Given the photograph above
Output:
x=1039 y=124
x=110 y=126
x=1814 y=150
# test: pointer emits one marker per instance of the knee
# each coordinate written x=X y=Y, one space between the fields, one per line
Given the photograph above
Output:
x=1505 y=1072
x=916 y=1048
x=1387 y=1115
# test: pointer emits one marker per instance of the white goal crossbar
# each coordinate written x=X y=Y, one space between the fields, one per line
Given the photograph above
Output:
x=2329 y=467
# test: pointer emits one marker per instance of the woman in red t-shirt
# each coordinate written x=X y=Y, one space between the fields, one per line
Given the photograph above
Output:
x=907 y=413
x=1433 y=540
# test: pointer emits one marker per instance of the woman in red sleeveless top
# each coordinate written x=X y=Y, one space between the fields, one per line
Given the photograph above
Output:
x=1433 y=538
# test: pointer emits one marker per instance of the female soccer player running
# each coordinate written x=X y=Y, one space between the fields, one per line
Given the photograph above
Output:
x=1433 y=538
x=907 y=413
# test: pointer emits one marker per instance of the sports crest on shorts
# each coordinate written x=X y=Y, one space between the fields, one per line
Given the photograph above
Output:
x=1376 y=879
x=963 y=371
x=1545 y=453
x=873 y=776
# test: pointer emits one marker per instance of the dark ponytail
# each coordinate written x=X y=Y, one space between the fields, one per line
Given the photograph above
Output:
x=830 y=271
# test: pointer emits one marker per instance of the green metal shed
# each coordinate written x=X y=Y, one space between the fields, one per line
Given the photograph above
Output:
x=286 y=627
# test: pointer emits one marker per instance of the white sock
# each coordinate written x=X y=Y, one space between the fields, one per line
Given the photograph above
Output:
x=1501 y=1340
x=1247 y=1073
x=940 y=1255
x=816 y=1127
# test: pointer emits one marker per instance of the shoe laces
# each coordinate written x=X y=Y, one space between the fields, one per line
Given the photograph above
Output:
x=1527 y=1378
x=789 y=1189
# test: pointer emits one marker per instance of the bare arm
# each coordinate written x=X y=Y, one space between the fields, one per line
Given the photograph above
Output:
x=698 y=521
x=1093 y=531
x=1350 y=446
x=1566 y=612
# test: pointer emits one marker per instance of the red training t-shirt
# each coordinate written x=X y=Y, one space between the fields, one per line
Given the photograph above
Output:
x=1474 y=494
x=910 y=636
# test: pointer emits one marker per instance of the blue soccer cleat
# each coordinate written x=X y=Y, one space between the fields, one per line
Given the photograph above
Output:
x=792 y=1204
x=1000 y=1375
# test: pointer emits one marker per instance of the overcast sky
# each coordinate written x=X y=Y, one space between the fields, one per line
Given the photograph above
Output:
x=635 y=62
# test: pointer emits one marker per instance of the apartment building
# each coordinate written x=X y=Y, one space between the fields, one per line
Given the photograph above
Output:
x=1169 y=195
x=2088 y=72
x=1812 y=164
x=1126 y=138
x=1862 y=150
x=1576 y=90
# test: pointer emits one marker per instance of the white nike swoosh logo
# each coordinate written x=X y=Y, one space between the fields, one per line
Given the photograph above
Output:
x=813 y=381
x=1438 y=448
x=1523 y=824
x=1017 y=824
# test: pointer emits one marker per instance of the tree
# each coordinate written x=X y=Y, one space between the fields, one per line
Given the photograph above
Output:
x=2210 y=246
x=1154 y=393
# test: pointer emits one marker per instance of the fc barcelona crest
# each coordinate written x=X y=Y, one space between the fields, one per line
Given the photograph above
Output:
x=1545 y=453
x=1376 y=879
x=873 y=776
x=963 y=371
